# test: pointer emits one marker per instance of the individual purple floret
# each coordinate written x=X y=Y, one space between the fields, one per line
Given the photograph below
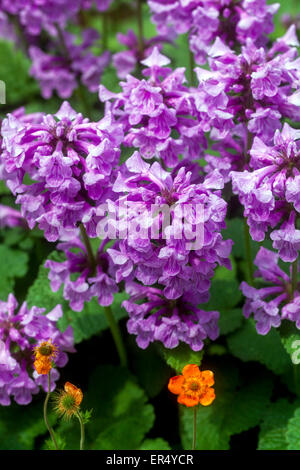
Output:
x=81 y=277
x=229 y=20
x=270 y=193
x=71 y=164
x=272 y=304
x=156 y=113
x=152 y=317
x=20 y=331
x=73 y=64
x=10 y=217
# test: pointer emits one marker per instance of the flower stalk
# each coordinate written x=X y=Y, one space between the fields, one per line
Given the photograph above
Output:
x=82 y=433
x=195 y=428
x=45 y=413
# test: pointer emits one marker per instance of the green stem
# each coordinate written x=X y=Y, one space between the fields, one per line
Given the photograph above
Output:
x=45 y=413
x=81 y=430
x=87 y=243
x=248 y=253
x=113 y=325
x=140 y=27
x=294 y=277
x=195 y=428
x=116 y=334
x=104 y=36
x=192 y=65
x=79 y=92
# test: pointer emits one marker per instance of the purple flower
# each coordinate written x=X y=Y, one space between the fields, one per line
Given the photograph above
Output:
x=173 y=227
x=152 y=317
x=90 y=280
x=72 y=64
x=268 y=191
x=71 y=162
x=270 y=304
x=19 y=331
x=157 y=113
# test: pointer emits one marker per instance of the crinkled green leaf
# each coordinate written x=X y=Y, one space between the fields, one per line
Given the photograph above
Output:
x=248 y=345
x=272 y=435
x=155 y=444
x=230 y=320
x=121 y=415
x=293 y=432
x=179 y=357
x=13 y=264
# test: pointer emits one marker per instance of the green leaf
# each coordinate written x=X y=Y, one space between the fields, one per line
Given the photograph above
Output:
x=293 y=432
x=181 y=356
x=151 y=369
x=272 y=435
x=13 y=264
x=224 y=294
x=248 y=345
x=234 y=410
x=155 y=444
x=13 y=63
x=230 y=320
x=121 y=416
x=19 y=429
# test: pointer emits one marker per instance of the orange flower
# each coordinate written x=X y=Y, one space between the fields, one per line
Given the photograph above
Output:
x=45 y=350
x=42 y=365
x=68 y=400
x=193 y=386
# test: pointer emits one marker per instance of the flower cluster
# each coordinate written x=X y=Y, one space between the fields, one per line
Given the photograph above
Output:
x=178 y=250
x=35 y=15
x=70 y=163
x=72 y=64
x=270 y=192
x=20 y=332
x=156 y=113
x=230 y=20
x=93 y=277
x=246 y=95
x=270 y=305
x=154 y=317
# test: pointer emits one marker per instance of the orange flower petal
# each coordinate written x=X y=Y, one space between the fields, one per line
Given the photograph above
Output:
x=187 y=400
x=42 y=366
x=175 y=384
x=208 y=397
x=208 y=377
x=75 y=392
x=191 y=370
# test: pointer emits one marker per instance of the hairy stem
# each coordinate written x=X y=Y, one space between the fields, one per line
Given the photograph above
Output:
x=294 y=277
x=104 y=35
x=88 y=246
x=248 y=253
x=116 y=334
x=195 y=428
x=45 y=413
x=82 y=435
